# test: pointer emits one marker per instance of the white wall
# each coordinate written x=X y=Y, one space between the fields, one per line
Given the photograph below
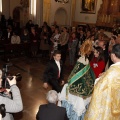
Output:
x=6 y=8
x=9 y=5
x=61 y=17
x=13 y=4
x=83 y=17
x=55 y=6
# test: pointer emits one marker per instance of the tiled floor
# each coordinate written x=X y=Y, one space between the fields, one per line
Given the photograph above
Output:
x=33 y=94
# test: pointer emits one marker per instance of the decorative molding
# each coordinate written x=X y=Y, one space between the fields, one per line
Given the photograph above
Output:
x=75 y=23
x=62 y=1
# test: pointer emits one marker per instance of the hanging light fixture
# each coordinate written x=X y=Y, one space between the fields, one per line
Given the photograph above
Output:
x=62 y=1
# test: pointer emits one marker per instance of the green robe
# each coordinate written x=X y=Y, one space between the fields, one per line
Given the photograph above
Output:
x=81 y=80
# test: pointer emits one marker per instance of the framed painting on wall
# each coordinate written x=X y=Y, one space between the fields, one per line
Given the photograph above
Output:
x=88 y=6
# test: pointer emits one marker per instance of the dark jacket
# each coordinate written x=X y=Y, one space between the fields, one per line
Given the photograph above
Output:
x=51 y=112
x=51 y=72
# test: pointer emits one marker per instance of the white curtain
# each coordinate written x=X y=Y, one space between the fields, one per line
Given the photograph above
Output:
x=33 y=7
x=0 y=6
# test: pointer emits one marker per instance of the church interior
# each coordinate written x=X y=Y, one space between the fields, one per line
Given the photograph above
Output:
x=15 y=14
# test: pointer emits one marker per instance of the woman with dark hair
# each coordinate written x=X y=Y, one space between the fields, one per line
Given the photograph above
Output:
x=105 y=101
x=64 y=37
x=25 y=38
x=111 y=42
x=34 y=38
x=44 y=43
x=98 y=63
x=55 y=41
x=15 y=39
x=72 y=44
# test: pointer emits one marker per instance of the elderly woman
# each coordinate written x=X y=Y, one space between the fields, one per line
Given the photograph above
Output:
x=51 y=111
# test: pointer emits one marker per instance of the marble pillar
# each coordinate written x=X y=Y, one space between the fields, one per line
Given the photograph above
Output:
x=39 y=12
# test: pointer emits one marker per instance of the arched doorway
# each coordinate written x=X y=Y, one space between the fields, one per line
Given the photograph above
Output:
x=61 y=16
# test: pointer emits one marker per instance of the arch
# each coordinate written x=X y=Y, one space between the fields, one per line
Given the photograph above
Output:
x=20 y=15
x=61 y=16
x=16 y=14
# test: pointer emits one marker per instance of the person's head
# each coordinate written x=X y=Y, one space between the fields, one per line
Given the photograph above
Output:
x=115 y=53
x=117 y=41
x=32 y=30
x=81 y=32
x=30 y=21
x=52 y=96
x=115 y=33
x=44 y=23
x=15 y=33
x=45 y=29
x=73 y=35
x=92 y=37
x=53 y=28
x=57 y=55
x=98 y=53
x=56 y=30
x=96 y=29
x=25 y=31
x=112 y=39
x=101 y=30
x=9 y=29
x=65 y=29
x=88 y=33
x=100 y=36
x=73 y=29
x=102 y=44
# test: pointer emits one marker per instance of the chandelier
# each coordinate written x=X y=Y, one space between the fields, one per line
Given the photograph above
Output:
x=62 y=1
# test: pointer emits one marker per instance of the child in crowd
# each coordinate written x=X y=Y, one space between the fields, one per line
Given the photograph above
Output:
x=98 y=63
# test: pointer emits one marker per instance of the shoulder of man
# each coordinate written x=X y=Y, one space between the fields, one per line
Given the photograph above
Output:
x=61 y=109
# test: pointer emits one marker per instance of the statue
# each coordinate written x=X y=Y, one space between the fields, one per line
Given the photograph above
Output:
x=76 y=94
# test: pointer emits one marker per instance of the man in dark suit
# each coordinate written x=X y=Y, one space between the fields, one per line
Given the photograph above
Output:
x=8 y=34
x=54 y=73
x=51 y=111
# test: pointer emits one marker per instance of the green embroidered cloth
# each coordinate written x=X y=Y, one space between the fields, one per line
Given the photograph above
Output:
x=81 y=80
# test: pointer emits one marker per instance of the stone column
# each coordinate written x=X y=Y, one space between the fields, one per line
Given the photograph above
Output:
x=39 y=12
x=73 y=8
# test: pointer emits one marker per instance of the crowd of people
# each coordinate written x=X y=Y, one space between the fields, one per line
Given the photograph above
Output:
x=91 y=52
x=46 y=39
